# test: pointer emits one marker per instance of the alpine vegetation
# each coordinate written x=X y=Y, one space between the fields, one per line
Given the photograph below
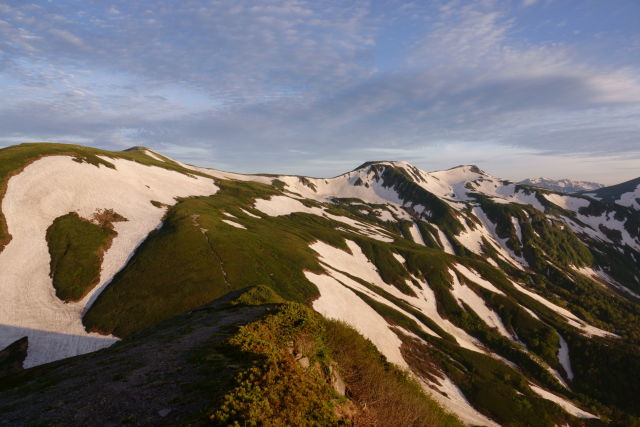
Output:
x=139 y=289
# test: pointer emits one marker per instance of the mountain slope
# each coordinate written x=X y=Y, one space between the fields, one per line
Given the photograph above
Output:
x=509 y=304
x=84 y=182
x=625 y=194
x=568 y=186
x=194 y=368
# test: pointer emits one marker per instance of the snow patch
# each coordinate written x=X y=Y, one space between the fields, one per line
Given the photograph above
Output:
x=399 y=258
x=569 y=317
x=498 y=243
x=444 y=241
x=446 y=393
x=567 y=202
x=338 y=302
x=517 y=228
x=355 y=286
x=250 y=214
x=234 y=224
x=476 y=278
x=384 y=215
x=355 y=263
x=54 y=186
x=563 y=357
x=608 y=220
x=631 y=198
x=283 y=205
x=562 y=402
x=415 y=234
x=466 y=295
x=358 y=265
x=153 y=155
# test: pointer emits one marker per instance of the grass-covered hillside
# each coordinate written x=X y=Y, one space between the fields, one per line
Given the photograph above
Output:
x=506 y=304
x=76 y=247
x=248 y=359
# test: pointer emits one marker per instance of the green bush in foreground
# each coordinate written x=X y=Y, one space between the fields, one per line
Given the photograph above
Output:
x=298 y=355
x=277 y=390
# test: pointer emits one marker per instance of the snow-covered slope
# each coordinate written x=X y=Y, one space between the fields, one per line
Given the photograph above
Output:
x=625 y=194
x=472 y=283
x=54 y=186
x=568 y=186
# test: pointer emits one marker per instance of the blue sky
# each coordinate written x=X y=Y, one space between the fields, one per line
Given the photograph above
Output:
x=522 y=88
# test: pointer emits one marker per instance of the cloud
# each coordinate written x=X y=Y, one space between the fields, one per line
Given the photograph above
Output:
x=235 y=51
x=288 y=85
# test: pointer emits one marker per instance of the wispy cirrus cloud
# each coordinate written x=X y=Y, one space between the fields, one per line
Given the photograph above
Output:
x=306 y=86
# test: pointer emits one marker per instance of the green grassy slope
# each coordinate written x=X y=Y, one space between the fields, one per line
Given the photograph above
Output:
x=76 y=247
x=195 y=257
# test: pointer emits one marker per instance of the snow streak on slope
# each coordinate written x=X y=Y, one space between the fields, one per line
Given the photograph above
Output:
x=631 y=198
x=567 y=202
x=153 y=155
x=52 y=187
x=465 y=294
x=609 y=221
x=234 y=224
x=214 y=173
x=562 y=402
x=570 y=318
x=562 y=185
x=499 y=244
x=344 y=186
x=249 y=213
x=415 y=234
x=449 y=395
x=356 y=286
x=563 y=357
x=338 y=302
x=477 y=279
x=283 y=205
x=357 y=264
x=444 y=241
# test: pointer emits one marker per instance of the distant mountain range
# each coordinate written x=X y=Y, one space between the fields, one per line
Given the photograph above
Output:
x=562 y=185
x=137 y=289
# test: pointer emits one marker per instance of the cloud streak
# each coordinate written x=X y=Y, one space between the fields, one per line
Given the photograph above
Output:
x=288 y=85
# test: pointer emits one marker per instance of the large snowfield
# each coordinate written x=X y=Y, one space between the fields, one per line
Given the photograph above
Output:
x=54 y=186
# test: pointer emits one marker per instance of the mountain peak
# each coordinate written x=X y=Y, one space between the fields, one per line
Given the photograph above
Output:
x=468 y=168
x=138 y=148
x=394 y=163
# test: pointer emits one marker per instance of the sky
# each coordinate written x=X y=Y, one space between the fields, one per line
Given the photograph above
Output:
x=522 y=88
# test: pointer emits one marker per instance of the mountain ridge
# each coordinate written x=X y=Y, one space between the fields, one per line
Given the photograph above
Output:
x=564 y=185
x=461 y=278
